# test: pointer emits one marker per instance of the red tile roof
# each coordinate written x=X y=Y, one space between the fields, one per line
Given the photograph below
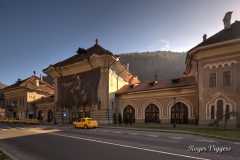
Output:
x=30 y=83
x=161 y=84
x=96 y=49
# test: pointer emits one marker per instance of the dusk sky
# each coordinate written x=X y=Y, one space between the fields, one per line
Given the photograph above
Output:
x=37 y=33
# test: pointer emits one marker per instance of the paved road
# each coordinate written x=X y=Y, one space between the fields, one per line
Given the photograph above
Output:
x=28 y=142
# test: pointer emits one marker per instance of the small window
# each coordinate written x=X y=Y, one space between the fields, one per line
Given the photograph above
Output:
x=227 y=112
x=212 y=80
x=226 y=78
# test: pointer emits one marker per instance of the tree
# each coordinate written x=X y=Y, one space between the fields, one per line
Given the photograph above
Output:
x=115 y=118
x=130 y=120
x=125 y=118
x=158 y=122
x=119 y=118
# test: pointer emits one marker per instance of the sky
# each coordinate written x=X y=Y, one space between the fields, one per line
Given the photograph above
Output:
x=37 y=33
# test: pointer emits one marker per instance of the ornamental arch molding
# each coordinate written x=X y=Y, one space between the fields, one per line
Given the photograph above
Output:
x=146 y=104
x=229 y=63
x=184 y=101
x=131 y=104
x=213 y=102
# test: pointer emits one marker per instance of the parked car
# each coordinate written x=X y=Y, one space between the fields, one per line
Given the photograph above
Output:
x=1 y=120
x=5 y=120
x=13 y=120
x=22 y=121
x=32 y=121
x=85 y=123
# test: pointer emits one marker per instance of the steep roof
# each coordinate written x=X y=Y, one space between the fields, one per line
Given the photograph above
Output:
x=161 y=84
x=44 y=99
x=224 y=35
x=30 y=83
x=85 y=54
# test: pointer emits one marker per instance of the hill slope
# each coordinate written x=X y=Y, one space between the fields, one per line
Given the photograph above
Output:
x=165 y=64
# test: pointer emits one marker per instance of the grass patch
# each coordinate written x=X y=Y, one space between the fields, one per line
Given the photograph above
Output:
x=229 y=133
x=4 y=156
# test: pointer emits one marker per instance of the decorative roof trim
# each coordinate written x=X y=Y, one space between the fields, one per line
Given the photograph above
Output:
x=221 y=63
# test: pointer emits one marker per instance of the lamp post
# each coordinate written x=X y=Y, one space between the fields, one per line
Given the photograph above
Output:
x=174 y=123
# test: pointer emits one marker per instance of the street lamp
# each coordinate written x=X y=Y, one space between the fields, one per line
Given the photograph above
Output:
x=174 y=123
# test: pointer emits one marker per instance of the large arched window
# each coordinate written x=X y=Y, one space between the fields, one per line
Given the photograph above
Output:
x=50 y=115
x=181 y=113
x=40 y=115
x=129 y=109
x=219 y=109
x=151 y=113
x=212 y=112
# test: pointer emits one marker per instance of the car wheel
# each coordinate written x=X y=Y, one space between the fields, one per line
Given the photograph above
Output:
x=85 y=126
x=74 y=126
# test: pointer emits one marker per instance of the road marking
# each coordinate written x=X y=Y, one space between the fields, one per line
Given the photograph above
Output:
x=176 y=137
x=121 y=145
x=103 y=131
x=204 y=140
x=236 y=143
x=133 y=133
x=117 y=132
x=150 y=135
x=93 y=130
x=4 y=129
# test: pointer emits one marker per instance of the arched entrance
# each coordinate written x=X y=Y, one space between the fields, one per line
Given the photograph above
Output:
x=50 y=116
x=129 y=109
x=181 y=113
x=40 y=115
x=151 y=113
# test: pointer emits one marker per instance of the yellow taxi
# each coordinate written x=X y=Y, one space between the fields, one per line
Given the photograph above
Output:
x=32 y=121
x=1 y=120
x=13 y=120
x=85 y=123
x=5 y=120
x=22 y=121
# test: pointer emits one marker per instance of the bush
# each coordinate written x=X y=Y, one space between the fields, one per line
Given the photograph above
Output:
x=158 y=122
x=130 y=119
x=119 y=118
x=114 y=118
x=125 y=118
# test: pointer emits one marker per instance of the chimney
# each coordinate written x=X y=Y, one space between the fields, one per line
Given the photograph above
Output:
x=19 y=79
x=37 y=82
x=127 y=66
x=41 y=77
x=34 y=73
x=204 y=37
x=227 y=20
x=156 y=78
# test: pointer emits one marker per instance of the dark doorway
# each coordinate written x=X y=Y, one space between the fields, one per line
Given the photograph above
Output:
x=151 y=113
x=181 y=113
x=40 y=115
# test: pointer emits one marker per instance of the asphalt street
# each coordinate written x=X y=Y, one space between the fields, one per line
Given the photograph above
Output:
x=29 y=142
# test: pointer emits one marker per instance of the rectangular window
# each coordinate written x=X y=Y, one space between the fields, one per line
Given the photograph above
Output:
x=226 y=78
x=212 y=80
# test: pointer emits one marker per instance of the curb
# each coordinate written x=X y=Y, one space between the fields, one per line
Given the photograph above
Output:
x=8 y=154
x=181 y=132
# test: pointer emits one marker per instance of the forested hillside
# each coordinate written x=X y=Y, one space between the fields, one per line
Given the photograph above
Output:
x=165 y=64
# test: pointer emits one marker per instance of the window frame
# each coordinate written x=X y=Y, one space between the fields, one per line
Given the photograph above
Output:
x=228 y=78
x=210 y=80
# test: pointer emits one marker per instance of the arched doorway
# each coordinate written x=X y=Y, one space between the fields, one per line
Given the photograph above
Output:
x=40 y=115
x=129 y=109
x=181 y=113
x=151 y=113
x=50 y=116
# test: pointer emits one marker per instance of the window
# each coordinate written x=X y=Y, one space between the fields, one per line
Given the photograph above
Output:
x=226 y=78
x=129 y=109
x=50 y=116
x=212 y=80
x=219 y=109
x=212 y=112
x=99 y=105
